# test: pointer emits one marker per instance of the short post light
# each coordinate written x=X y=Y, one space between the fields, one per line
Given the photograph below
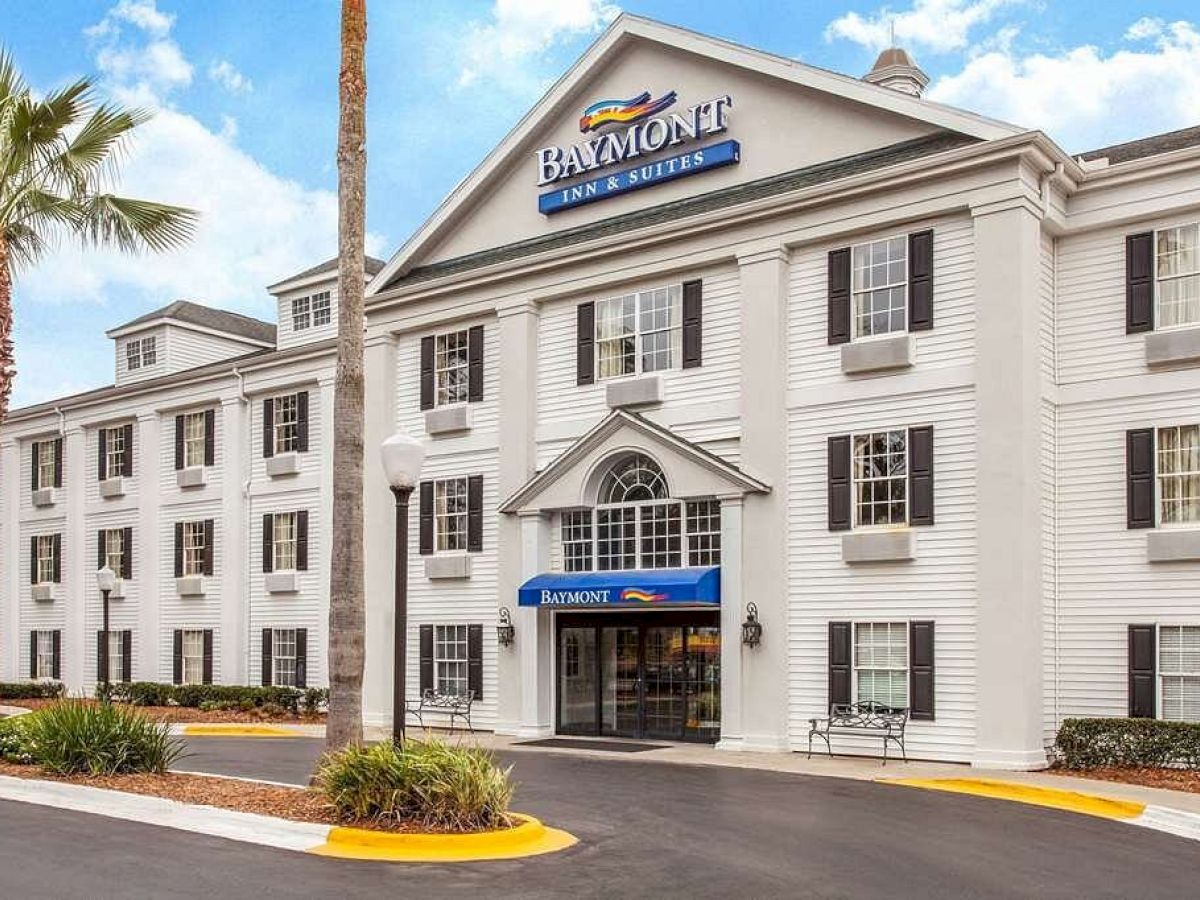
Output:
x=752 y=628
x=505 y=632
x=106 y=581
x=402 y=456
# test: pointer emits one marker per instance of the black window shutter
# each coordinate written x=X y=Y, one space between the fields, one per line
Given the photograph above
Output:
x=920 y=281
x=208 y=546
x=425 y=518
x=127 y=656
x=33 y=567
x=838 y=476
x=475 y=660
x=1139 y=478
x=35 y=451
x=102 y=454
x=475 y=364
x=268 y=659
x=177 y=658
x=58 y=462
x=127 y=552
x=178 y=442
x=693 y=323
x=210 y=437
x=268 y=429
x=101 y=656
x=56 y=672
x=839 y=662
x=57 y=559
x=33 y=642
x=426 y=658
x=1142 y=672
x=178 y=549
x=302 y=541
x=427 y=372
x=839 y=296
x=1139 y=282
x=920 y=475
x=301 y=657
x=585 y=343
x=101 y=550
x=920 y=670
x=475 y=513
x=302 y=421
x=268 y=542
x=208 y=656
x=127 y=463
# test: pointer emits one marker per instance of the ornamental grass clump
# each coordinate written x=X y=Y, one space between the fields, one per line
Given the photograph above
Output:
x=77 y=737
x=440 y=786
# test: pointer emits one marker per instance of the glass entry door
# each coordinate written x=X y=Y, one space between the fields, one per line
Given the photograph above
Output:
x=620 y=682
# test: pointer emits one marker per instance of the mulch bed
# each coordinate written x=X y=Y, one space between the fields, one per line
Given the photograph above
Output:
x=179 y=714
x=1170 y=779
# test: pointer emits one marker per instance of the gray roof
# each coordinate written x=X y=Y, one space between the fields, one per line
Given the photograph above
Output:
x=689 y=206
x=207 y=317
x=1147 y=146
x=372 y=266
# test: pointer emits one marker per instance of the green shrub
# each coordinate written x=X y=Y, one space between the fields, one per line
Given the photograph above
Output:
x=445 y=787
x=30 y=690
x=212 y=696
x=76 y=736
x=13 y=742
x=142 y=693
x=1093 y=743
x=315 y=700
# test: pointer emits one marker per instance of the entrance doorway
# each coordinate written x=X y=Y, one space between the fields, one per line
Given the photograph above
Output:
x=640 y=675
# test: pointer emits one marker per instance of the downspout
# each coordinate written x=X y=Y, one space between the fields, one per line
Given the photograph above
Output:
x=241 y=391
x=62 y=420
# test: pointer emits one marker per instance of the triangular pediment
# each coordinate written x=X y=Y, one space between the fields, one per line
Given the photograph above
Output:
x=570 y=481
x=782 y=116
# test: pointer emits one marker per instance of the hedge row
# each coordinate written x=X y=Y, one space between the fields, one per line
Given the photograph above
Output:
x=220 y=696
x=1095 y=743
x=30 y=690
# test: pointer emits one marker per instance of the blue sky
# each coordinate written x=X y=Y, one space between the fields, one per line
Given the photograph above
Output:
x=245 y=94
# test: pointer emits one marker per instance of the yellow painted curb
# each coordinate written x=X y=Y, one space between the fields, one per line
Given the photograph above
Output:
x=1071 y=801
x=238 y=731
x=530 y=838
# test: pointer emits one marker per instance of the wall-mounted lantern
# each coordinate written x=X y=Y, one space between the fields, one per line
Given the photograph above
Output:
x=505 y=633
x=751 y=628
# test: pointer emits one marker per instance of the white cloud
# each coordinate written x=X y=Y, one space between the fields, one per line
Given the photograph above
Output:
x=227 y=76
x=1083 y=97
x=937 y=25
x=518 y=32
x=145 y=68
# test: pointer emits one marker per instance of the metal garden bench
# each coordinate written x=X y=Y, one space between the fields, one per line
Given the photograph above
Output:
x=457 y=706
x=871 y=718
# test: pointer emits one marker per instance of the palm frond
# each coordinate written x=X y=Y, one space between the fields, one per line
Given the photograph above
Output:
x=133 y=225
x=26 y=246
x=97 y=145
x=11 y=83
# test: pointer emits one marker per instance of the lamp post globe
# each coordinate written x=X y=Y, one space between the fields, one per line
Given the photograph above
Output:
x=106 y=581
x=402 y=456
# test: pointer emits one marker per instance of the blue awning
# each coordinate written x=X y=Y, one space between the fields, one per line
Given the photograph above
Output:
x=640 y=588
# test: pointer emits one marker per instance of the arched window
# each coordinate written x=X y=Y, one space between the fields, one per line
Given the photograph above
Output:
x=634 y=479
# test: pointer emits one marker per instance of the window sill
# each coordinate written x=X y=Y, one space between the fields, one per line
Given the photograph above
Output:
x=894 y=545
x=190 y=477
x=1173 y=545
x=44 y=497
x=451 y=566
x=281 y=582
x=283 y=464
x=190 y=586
x=1165 y=348
x=645 y=390
x=878 y=355
x=448 y=419
x=43 y=593
x=112 y=487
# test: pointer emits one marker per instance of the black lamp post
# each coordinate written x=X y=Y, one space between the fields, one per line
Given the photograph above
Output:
x=751 y=628
x=106 y=580
x=402 y=456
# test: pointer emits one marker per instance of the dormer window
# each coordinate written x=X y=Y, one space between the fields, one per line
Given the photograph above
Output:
x=140 y=353
x=310 y=312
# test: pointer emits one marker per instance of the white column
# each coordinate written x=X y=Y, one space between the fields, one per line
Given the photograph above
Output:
x=10 y=567
x=318 y=640
x=233 y=663
x=535 y=636
x=1008 y=656
x=149 y=642
x=731 y=624
x=78 y=648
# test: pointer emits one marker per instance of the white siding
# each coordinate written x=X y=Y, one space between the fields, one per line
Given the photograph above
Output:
x=123 y=612
x=91 y=472
x=188 y=349
x=189 y=612
x=287 y=336
x=311 y=462
x=50 y=614
x=160 y=367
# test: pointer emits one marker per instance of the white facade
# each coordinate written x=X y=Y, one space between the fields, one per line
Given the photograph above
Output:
x=993 y=593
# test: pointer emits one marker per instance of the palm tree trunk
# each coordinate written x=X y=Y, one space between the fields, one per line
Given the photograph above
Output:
x=347 y=605
x=7 y=366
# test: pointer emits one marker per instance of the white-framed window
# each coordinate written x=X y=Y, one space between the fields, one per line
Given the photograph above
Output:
x=140 y=352
x=704 y=532
x=1177 y=276
x=193 y=656
x=450 y=368
x=45 y=558
x=450 y=659
x=116 y=656
x=301 y=313
x=1179 y=672
x=881 y=663
x=44 y=462
x=880 y=474
x=320 y=309
x=639 y=332
x=283 y=542
x=114 y=549
x=1177 y=464
x=577 y=540
x=286 y=424
x=193 y=548
x=44 y=667
x=193 y=439
x=450 y=514
x=283 y=657
x=879 y=287
x=114 y=451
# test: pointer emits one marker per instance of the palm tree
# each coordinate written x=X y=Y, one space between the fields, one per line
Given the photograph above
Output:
x=58 y=157
x=347 y=606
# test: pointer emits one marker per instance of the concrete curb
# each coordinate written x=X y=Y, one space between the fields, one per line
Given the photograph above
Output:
x=13 y=711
